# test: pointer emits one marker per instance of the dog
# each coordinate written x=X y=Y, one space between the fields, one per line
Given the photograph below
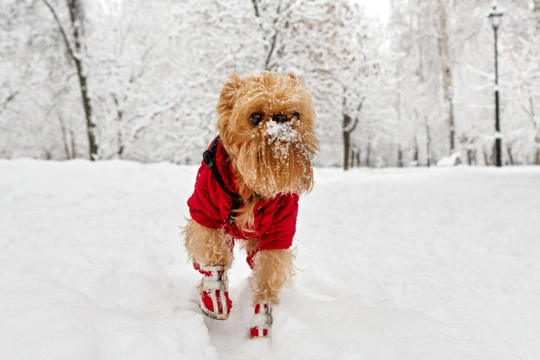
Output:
x=247 y=189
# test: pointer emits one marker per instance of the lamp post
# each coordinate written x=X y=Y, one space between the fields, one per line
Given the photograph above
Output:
x=495 y=19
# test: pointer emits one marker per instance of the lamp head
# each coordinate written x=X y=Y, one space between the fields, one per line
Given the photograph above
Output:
x=495 y=17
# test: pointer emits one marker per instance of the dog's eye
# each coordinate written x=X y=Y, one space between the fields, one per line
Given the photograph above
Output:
x=255 y=118
x=296 y=115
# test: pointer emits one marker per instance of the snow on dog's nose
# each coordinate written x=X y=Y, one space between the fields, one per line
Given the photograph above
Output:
x=281 y=130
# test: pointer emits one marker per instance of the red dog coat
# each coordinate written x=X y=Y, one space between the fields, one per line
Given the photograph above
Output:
x=275 y=219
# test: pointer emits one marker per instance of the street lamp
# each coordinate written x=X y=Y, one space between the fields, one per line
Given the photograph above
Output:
x=495 y=19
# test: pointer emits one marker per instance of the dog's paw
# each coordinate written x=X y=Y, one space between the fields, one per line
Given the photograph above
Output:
x=262 y=321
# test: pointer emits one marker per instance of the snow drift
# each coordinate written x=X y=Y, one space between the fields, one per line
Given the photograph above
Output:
x=393 y=264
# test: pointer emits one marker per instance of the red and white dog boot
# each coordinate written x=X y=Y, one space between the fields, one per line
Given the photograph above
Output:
x=215 y=302
x=262 y=320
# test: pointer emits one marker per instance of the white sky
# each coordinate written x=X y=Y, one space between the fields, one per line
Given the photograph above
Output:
x=381 y=8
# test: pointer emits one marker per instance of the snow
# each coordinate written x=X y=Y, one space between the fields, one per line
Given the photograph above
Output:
x=282 y=132
x=451 y=160
x=405 y=264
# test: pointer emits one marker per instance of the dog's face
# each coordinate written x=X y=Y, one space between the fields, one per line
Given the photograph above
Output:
x=267 y=125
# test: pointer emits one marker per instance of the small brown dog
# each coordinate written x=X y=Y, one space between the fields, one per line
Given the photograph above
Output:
x=247 y=189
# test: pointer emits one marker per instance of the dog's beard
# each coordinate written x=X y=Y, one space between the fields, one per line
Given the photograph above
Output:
x=277 y=160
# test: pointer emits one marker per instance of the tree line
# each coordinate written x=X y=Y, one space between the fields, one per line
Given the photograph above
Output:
x=139 y=80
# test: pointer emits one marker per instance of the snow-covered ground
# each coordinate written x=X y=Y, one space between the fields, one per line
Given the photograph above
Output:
x=393 y=264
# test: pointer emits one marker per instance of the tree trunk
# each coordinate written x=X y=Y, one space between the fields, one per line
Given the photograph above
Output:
x=73 y=145
x=346 y=142
x=446 y=71
x=75 y=51
x=348 y=127
x=486 y=157
x=493 y=156
x=90 y=124
x=121 y=146
x=64 y=137
x=533 y=119
x=537 y=141
x=416 y=151
x=368 y=154
x=510 y=156
x=398 y=106
x=428 y=143
x=532 y=113
x=119 y=117
x=470 y=157
x=76 y=16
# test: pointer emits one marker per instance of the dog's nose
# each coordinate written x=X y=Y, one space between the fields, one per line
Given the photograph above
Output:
x=279 y=118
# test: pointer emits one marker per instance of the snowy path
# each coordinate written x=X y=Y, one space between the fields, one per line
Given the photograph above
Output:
x=394 y=264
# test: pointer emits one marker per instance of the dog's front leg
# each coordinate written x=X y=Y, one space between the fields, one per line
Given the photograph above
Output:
x=206 y=246
x=211 y=253
x=272 y=269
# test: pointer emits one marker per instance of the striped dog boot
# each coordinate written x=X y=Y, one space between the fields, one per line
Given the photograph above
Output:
x=215 y=302
x=262 y=320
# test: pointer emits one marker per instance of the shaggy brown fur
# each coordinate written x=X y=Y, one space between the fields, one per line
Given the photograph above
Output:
x=265 y=165
x=267 y=161
x=273 y=269
x=208 y=247
x=251 y=246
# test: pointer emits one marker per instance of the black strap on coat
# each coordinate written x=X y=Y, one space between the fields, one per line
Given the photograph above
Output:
x=209 y=158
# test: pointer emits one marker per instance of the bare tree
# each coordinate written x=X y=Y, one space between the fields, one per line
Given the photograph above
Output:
x=429 y=151
x=75 y=49
x=536 y=12
x=349 y=125
x=444 y=51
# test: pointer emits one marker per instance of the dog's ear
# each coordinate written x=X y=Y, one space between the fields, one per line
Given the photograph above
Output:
x=229 y=91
